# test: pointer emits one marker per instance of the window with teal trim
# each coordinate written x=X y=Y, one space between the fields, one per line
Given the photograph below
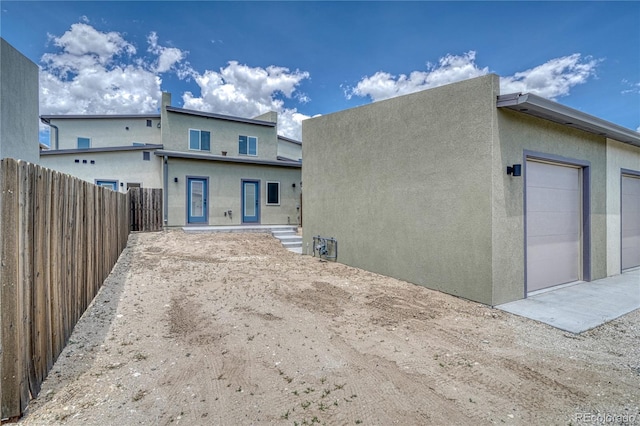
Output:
x=111 y=184
x=199 y=140
x=84 y=143
x=247 y=145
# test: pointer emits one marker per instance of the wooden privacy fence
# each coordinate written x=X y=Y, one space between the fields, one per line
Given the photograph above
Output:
x=146 y=209
x=59 y=239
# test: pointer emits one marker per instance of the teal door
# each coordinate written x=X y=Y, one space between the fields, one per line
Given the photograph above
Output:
x=250 y=201
x=197 y=200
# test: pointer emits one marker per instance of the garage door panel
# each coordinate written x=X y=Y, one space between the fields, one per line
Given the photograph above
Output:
x=549 y=223
x=559 y=258
x=630 y=222
x=549 y=199
x=546 y=175
x=553 y=221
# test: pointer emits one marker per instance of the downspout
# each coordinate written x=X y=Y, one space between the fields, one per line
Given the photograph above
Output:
x=57 y=144
x=165 y=184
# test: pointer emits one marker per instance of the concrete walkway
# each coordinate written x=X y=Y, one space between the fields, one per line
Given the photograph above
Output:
x=582 y=306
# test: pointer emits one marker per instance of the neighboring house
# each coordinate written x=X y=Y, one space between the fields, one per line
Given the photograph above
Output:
x=224 y=170
x=289 y=149
x=18 y=105
x=485 y=196
x=214 y=169
x=109 y=150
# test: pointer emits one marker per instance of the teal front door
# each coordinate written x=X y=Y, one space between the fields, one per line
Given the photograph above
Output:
x=250 y=201
x=196 y=200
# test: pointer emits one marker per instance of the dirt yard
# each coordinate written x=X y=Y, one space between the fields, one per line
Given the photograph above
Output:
x=232 y=329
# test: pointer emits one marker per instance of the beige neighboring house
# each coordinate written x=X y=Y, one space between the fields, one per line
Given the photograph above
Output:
x=485 y=196
x=214 y=169
x=109 y=150
x=18 y=105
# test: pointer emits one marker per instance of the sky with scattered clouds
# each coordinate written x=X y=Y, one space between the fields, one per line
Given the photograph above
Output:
x=303 y=59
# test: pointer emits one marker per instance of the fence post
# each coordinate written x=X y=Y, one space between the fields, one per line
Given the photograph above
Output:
x=11 y=303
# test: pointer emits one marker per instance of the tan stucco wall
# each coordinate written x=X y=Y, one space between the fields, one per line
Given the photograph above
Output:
x=519 y=132
x=123 y=166
x=224 y=135
x=224 y=192
x=18 y=105
x=104 y=132
x=619 y=156
x=405 y=186
x=289 y=150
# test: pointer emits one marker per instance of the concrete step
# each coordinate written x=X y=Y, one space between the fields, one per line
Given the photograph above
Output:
x=289 y=239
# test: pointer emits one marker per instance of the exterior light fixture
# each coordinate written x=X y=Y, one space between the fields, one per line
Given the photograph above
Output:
x=515 y=170
x=175 y=179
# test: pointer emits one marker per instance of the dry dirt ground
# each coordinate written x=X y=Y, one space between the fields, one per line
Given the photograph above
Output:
x=232 y=329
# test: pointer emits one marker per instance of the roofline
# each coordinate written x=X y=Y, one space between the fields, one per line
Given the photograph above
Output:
x=147 y=147
x=289 y=140
x=219 y=116
x=47 y=118
x=538 y=106
x=283 y=158
x=209 y=157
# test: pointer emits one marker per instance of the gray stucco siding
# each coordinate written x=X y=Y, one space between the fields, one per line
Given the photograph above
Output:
x=104 y=132
x=224 y=191
x=519 y=133
x=620 y=157
x=123 y=166
x=18 y=105
x=405 y=186
x=224 y=135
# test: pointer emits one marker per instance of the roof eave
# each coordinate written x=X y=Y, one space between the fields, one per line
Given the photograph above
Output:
x=220 y=116
x=210 y=157
x=538 y=106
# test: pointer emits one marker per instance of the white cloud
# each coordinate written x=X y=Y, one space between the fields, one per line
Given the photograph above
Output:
x=168 y=57
x=551 y=80
x=449 y=69
x=97 y=72
x=633 y=88
x=94 y=74
x=238 y=89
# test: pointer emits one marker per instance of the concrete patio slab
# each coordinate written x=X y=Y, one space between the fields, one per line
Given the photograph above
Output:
x=582 y=306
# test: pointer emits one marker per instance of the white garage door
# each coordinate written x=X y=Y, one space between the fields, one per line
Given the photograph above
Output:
x=554 y=220
x=630 y=222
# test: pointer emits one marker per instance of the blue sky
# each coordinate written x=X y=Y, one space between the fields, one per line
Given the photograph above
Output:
x=307 y=58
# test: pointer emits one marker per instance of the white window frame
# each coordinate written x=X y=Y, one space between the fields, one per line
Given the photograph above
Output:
x=266 y=193
x=199 y=140
x=247 y=153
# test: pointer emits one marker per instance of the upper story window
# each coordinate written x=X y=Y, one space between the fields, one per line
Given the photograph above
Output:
x=148 y=123
x=84 y=143
x=199 y=140
x=146 y=156
x=247 y=145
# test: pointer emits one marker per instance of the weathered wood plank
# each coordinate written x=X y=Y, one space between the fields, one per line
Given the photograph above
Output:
x=10 y=361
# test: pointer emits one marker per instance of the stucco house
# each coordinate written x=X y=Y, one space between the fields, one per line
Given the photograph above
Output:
x=18 y=105
x=214 y=169
x=485 y=196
